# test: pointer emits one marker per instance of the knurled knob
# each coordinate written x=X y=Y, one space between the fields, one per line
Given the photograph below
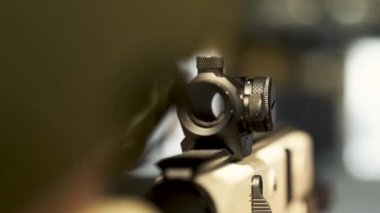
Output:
x=210 y=63
x=262 y=105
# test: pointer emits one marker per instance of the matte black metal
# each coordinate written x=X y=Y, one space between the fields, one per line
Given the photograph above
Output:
x=197 y=160
x=248 y=105
x=261 y=104
x=173 y=196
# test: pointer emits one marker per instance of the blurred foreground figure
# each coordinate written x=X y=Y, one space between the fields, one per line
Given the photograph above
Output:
x=82 y=85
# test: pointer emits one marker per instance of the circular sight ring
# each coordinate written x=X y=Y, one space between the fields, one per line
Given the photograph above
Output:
x=200 y=119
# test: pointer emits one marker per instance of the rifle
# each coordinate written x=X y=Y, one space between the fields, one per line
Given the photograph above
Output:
x=225 y=165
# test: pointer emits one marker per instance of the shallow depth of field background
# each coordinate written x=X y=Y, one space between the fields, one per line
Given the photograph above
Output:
x=76 y=75
x=324 y=57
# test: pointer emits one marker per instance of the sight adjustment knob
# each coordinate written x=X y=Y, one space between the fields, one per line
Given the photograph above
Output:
x=210 y=64
x=261 y=104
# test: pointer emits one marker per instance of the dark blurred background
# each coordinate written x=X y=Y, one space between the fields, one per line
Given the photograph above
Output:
x=76 y=75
